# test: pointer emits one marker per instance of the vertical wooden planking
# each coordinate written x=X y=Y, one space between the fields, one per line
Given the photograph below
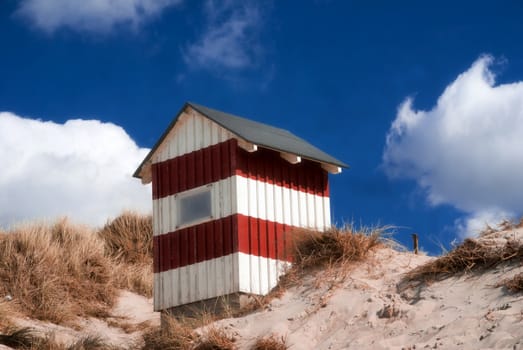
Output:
x=189 y=134
x=203 y=279
x=264 y=250
x=200 y=243
x=218 y=238
x=228 y=273
x=220 y=283
x=261 y=200
x=207 y=165
x=156 y=292
x=190 y=166
x=206 y=132
x=182 y=174
x=327 y=212
x=199 y=168
x=226 y=243
x=318 y=211
x=270 y=243
x=156 y=256
x=295 y=209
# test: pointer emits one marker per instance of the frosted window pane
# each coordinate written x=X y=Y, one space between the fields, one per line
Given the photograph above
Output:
x=195 y=207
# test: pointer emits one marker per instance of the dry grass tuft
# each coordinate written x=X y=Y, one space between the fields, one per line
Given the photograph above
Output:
x=504 y=225
x=56 y=272
x=514 y=284
x=19 y=338
x=128 y=240
x=215 y=339
x=91 y=342
x=470 y=255
x=334 y=247
x=272 y=342
x=177 y=334
x=29 y=339
x=173 y=335
x=137 y=278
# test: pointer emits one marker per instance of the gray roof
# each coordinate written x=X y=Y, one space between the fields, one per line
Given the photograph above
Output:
x=260 y=134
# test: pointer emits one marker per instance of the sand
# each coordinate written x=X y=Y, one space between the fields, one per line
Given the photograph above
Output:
x=367 y=310
x=131 y=313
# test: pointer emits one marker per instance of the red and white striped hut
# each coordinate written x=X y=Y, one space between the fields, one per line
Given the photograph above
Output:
x=226 y=190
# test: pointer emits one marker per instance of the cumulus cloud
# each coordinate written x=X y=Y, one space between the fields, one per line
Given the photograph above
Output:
x=81 y=169
x=467 y=151
x=90 y=15
x=230 y=38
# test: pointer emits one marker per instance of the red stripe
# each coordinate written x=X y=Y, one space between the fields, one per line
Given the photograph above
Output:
x=194 y=169
x=225 y=159
x=211 y=240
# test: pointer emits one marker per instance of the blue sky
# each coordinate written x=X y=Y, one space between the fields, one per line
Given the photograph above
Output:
x=85 y=90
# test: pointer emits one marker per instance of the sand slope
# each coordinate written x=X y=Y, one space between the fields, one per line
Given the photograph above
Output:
x=366 y=310
x=131 y=313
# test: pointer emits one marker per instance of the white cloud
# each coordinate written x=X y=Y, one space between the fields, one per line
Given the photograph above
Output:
x=81 y=169
x=91 y=15
x=474 y=223
x=230 y=38
x=467 y=151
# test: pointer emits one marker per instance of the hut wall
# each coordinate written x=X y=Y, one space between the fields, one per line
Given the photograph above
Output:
x=257 y=199
x=273 y=198
x=193 y=262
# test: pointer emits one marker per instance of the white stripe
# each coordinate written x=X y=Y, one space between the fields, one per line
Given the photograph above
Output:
x=193 y=132
x=254 y=198
x=258 y=275
x=195 y=282
x=283 y=205
x=236 y=272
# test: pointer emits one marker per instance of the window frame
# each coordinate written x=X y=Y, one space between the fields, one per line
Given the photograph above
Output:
x=189 y=193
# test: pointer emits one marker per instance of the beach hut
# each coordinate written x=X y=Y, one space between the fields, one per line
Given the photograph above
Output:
x=227 y=191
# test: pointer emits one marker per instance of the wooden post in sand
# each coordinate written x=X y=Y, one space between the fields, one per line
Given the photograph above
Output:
x=415 y=242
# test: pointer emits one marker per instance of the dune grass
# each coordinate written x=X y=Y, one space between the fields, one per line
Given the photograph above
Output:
x=180 y=334
x=172 y=335
x=504 y=225
x=215 y=338
x=56 y=272
x=271 y=342
x=312 y=249
x=128 y=240
x=514 y=284
x=471 y=255
x=27 y=338
x=60 y=271
x=19 y=338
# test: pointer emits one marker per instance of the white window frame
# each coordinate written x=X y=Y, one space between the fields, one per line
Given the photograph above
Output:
x=178 y=197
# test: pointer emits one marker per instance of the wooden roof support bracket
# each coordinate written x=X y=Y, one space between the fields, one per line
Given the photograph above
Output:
x=147 y=175
x=249 y=147
x=291 y=158
x=333 y=169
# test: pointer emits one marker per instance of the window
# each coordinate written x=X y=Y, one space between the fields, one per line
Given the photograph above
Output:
x=194 y=206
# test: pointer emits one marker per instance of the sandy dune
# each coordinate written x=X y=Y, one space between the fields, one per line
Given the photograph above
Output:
x=366 y=310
